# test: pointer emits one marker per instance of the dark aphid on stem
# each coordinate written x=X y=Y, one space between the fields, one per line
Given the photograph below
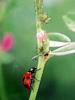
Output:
x=29 y=78
x=44 y=18
x=40 y=50
x=46 y=55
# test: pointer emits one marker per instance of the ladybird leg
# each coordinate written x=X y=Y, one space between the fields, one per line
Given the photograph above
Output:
x=32 y=87
x=38 y=69
x=36 y=79
x=32 y=82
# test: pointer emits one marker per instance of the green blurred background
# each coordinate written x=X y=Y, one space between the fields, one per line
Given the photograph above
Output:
x=58 y=81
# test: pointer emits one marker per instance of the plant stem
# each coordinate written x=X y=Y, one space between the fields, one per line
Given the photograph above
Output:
x=2 y=88
x=41 y=63
x=39 y=13
x=40 y=20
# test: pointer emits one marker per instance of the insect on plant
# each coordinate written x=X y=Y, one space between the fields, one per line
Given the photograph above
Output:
x=29 y=78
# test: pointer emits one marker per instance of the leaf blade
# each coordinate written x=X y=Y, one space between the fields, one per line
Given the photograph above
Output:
x=59 y=37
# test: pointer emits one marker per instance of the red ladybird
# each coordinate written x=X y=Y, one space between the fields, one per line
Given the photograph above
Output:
x=28 y=78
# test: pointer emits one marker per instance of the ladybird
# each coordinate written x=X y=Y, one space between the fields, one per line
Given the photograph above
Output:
x=29 y=78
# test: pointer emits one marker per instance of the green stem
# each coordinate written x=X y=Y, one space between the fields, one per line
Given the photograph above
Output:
x=2 y=87
x=41 y=63
x=39 y=13
x=40 y=20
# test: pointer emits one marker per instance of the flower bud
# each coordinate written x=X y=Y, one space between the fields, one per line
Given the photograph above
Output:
x=41 y=36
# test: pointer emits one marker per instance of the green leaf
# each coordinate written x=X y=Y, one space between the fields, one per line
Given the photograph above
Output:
x=69 y=23
x=59 y=37
x=57 y=43
x=65 y=50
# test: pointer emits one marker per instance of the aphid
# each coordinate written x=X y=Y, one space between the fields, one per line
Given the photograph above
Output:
x=29 y=78
x=39 y=50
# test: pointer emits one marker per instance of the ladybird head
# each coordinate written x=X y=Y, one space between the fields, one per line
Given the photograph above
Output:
x=32 y=69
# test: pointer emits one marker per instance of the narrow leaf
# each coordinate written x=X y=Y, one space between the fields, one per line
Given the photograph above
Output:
x=59 y=37
x=69 y=22
x=57 y=43
x=65 y=50
x=62 y=53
